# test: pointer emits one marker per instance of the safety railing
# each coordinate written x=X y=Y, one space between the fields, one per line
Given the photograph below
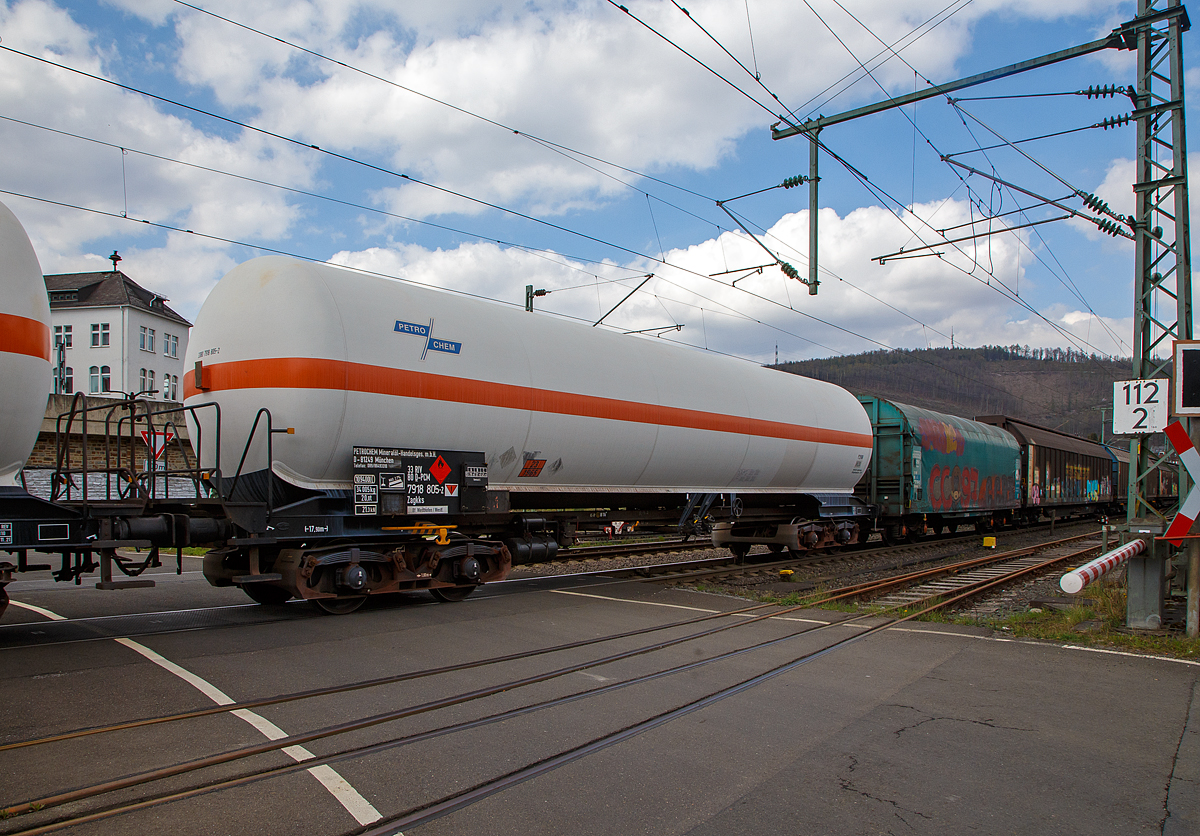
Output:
x=131 y=432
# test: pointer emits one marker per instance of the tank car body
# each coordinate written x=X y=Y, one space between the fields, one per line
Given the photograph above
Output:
x=25 y=383
x=930 y=470
x=24 y=346
x=350 y=359
x=1061 y=474
x=522 y=420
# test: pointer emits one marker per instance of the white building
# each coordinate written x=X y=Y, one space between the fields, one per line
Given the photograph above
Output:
x=112 y=335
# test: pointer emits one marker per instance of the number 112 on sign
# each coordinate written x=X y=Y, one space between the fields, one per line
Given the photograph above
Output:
x=1140 y=406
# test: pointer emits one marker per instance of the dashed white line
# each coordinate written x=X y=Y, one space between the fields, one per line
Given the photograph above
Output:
x=362 y=810
x=691 y=609
x=924 y=632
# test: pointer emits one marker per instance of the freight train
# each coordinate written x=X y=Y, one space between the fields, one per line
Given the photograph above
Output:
x=353 y=435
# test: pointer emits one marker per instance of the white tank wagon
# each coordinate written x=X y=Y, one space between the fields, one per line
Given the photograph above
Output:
x=349 y=359
x=24 y=382
x=25 y=373
x=532 y=419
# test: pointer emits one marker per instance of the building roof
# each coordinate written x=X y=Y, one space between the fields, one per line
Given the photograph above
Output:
x=108 y=289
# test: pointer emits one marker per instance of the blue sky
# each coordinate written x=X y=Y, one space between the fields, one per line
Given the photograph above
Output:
x=589 y=78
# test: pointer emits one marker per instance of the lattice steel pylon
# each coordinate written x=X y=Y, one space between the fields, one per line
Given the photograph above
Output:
x=1160 y=228
x=1162 y=268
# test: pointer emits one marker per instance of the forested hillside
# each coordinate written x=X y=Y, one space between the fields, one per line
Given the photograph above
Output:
x=1059 y=388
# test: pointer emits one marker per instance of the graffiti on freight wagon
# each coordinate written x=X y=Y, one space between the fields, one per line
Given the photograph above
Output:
x=1045 y=489
x=952 y=488
x=940 y=436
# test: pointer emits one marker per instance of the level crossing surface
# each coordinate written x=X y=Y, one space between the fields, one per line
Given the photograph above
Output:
x=924 y=728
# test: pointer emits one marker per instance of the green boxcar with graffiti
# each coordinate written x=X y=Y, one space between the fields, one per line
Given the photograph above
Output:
x=930 y=471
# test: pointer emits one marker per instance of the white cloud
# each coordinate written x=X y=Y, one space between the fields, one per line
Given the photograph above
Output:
x=903 y=304
x=581 y=73
x=56 y=167
x=576 y=71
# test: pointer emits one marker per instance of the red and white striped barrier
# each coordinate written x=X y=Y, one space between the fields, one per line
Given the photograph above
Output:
x=1190 y=509
x=1074 y=581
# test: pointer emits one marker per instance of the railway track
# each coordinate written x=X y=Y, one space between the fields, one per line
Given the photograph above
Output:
x=714 y=568
x=90 y=803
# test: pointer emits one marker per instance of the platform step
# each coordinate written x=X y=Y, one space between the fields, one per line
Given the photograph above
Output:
x=269 y=576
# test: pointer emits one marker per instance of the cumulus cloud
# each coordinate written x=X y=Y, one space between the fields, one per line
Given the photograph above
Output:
x=578 y=72
x=111 y=174
x=581 y=73
x=967 y=292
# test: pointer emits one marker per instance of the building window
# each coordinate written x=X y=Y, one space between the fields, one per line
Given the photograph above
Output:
x=65 y=385
x=94 y=379
x=105 y=379
x=62 y=336
x=146 y=339
x=99 y=334
x=170 y=345
x=174 y=387
x=150 y=381
x=142 y=380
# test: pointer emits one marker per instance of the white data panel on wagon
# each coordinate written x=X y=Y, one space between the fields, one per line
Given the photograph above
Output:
x=1140 y=406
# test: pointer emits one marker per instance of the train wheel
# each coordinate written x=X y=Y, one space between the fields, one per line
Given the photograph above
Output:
x=340 y=606
x=451 y=594
x=775 y=548
x=264 y=593
x=891 y=535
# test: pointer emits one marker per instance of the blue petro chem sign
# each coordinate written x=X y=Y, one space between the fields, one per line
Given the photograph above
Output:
x=432 y=343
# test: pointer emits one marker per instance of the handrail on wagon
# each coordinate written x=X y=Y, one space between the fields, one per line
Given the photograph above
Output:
x=76 y=419
x=271 y=431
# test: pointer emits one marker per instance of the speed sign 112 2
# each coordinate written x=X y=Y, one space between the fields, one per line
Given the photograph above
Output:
x=1141 y=406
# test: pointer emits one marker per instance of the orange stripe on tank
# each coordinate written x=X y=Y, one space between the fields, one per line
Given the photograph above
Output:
x=21 y=335
x=309 y=373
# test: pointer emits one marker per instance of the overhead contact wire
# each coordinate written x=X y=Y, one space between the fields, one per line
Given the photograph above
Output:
x=549 y=144
x=756 y=76
x=334 y=154
x=614 y=4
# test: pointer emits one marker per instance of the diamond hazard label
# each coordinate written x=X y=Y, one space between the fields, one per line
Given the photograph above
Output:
x=440 y=470
x=532 y=468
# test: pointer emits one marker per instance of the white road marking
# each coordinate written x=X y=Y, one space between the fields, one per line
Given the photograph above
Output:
x=692 y=609
x=53 y=616
x=362 y=810
x=630 y=601
x=92 y=618
x=929 y=632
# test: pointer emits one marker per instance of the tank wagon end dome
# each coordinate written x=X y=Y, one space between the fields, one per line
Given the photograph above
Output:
x=24 y=346
x=351 y=359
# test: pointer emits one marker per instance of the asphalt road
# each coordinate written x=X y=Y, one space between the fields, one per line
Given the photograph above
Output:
x=922 y=729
